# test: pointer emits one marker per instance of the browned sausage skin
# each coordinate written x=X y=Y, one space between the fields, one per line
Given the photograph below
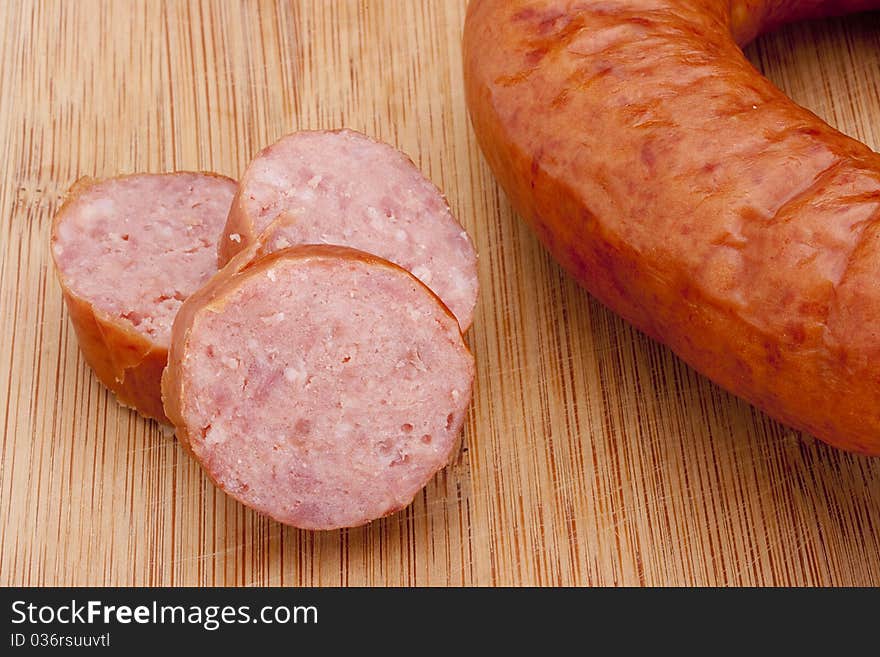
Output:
x=690 y=195
x=749 y=18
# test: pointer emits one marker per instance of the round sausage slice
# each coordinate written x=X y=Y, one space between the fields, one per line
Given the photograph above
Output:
x=319 y=385
x=344 y=188
x=127 y=252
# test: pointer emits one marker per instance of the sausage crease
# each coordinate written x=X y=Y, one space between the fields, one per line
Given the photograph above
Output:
x=690 y=195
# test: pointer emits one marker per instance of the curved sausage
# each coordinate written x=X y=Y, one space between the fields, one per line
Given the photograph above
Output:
x=344 y=188
x=319 y=385
x=690 y=195
x=127 y=251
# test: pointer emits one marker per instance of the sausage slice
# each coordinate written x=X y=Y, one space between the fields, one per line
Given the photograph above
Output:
x=127 y=252
x=344 y=188
x=319 y=385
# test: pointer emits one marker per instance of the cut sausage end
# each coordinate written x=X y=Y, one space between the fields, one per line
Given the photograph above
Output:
x=320 y=386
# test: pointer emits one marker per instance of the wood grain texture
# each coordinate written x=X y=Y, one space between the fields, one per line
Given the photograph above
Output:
x=592 y=455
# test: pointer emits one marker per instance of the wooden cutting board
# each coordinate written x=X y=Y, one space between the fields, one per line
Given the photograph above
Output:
x=592 y=455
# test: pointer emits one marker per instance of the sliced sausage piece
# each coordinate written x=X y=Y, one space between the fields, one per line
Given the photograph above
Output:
x=319 y=385
x=127 y=252
x=344 y=188
x=690 y=195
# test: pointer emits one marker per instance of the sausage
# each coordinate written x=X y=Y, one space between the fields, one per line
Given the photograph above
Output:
x=344 y=188
x=690 y=195
x=319 y=385
x=127 y=251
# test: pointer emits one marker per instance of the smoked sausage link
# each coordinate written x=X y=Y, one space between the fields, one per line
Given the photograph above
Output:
x=690 y=195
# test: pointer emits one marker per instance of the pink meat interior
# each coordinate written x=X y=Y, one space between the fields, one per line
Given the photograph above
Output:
x=136 y=247
x=325 y=393
x=344 y=188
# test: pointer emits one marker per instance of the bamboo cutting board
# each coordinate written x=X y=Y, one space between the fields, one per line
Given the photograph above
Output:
x=592 y=455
